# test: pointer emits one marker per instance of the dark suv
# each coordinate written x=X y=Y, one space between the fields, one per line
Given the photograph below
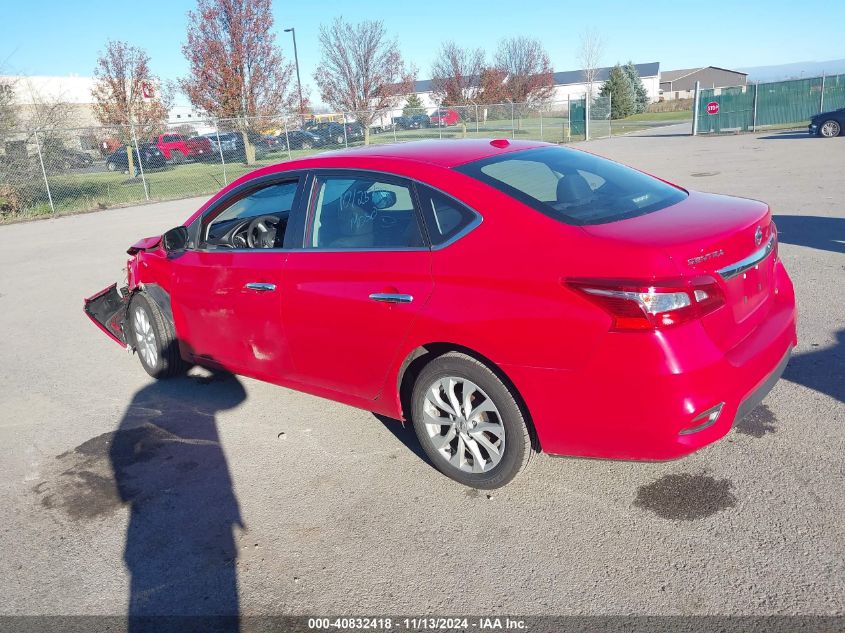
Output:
x=332 y=133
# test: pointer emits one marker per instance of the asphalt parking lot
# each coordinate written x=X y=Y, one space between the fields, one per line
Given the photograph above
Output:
x=206 y=495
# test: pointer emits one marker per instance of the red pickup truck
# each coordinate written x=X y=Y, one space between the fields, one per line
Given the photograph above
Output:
x=445 y=117
x=176 y=148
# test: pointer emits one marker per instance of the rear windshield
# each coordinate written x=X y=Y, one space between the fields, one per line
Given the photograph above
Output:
x=572 y=186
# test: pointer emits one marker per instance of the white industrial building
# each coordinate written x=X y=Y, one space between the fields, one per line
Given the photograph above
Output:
x=567 y=84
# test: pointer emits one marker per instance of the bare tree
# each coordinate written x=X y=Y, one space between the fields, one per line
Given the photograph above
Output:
x=125 y=90
x=589 y=55
x=8 y=107
x=236 y=67
x=456 y=74
x=524 y=61
x=361 y=70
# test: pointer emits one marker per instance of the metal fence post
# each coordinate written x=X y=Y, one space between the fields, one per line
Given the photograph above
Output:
x=140 y=162
x=345 y=139
x=587 y=104
x=220 y=149
x=821 y=100
x=610 y=115
x=695 y=108
x=287 y=136
x=568 y=118
x=44 y=172
x=541 y=123
x=393 y=127
x=513 y=122
x=476 y=117
x=754 y=113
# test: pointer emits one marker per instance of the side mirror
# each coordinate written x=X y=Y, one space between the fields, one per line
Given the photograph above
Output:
x=175 y=240
x=382 y=199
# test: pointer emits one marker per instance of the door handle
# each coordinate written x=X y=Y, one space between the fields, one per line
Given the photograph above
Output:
x=389 y=297
x=260 y=287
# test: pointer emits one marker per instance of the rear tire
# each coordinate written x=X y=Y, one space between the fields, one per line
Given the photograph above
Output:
x=830 y=129
x=484 y=441
x=153 y=338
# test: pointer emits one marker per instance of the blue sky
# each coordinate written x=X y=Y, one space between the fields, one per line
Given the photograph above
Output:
x=55 y=37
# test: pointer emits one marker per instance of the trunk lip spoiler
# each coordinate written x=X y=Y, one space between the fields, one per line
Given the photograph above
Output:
x=737 y=268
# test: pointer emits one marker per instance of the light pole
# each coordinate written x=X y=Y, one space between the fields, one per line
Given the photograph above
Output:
x=292 y=31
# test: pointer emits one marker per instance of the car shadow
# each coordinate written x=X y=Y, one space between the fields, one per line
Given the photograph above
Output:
x=170 y=469
x=787 y=135
x=822 y=370
x=822 y=233
x=404 y=432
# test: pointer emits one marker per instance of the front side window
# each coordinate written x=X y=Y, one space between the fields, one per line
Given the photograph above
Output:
x=574 y=187
x=257 y=220
x=362 y=213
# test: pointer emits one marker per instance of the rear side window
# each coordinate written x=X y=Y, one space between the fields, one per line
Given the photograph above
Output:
x=574 y=187
x=445 y=217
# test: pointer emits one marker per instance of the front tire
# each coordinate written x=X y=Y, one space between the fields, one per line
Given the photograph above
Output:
x=469 y=422
x=154 y=339
x=830 y=129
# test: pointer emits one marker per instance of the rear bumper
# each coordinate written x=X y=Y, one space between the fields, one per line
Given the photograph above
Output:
x=639 y=395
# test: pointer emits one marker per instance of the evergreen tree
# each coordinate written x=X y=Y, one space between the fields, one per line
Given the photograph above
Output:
x=413 y=105
x=641 y=99
x=622 y=98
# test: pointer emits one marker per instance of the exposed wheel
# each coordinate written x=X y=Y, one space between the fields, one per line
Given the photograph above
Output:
x=306 y=145
x=176 y=157
x=829 y=129
x=111 y=166
x=154 y=339
x=469 y=423
x=339 y=139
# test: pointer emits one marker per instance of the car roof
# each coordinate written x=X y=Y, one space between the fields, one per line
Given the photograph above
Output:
x=444 y=153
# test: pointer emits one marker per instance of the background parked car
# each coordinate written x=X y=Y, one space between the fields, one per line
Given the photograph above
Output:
x=445 y=117
x=151 y=158
x=423 y=120
x=828 y=124
x=64 y=158
x=299 y=139
x=332 y=133
x=414 y=122
x=176 y=148
x=231 y=145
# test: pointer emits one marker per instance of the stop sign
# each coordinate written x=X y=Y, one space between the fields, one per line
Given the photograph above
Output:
x=713 y=108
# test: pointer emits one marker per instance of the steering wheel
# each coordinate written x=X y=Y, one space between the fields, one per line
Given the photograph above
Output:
x=261 y=232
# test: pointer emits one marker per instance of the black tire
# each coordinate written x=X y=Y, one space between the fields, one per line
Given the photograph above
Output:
x=339 y=139
x=306 y=145
x=111 y=166
x=517 y=438
x=168 y=362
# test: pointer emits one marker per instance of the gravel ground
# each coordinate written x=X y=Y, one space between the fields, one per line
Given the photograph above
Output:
x=209 y=495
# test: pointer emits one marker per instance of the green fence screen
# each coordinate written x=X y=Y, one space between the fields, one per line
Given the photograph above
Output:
x=768 y=104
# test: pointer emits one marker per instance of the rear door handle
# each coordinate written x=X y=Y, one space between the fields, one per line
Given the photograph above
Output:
x=389 y=297
x=260 y=287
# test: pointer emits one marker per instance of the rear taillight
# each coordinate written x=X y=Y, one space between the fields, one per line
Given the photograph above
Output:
x=636 y=305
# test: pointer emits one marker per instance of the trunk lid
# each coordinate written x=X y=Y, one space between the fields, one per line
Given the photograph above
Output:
x=730 y=239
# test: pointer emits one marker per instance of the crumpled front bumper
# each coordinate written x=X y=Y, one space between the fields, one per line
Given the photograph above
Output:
x=107 y=310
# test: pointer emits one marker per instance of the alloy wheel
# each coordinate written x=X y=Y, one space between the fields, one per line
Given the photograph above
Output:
x=145 y=337
x=464 y=424
x=830 y=129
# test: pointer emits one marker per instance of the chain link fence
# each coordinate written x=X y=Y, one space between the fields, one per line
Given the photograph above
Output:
x=78 y=169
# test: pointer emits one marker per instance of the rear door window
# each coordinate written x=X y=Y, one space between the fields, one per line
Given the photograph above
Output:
x=445 y=217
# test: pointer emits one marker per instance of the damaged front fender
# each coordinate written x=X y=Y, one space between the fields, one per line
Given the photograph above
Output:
x=108 y=311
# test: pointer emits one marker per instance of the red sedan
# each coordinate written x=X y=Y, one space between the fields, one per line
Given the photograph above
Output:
x=505 y=296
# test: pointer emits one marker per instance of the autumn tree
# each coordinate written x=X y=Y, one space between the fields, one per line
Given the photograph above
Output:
x=236 y=68
x=122 y=77
x=525 y=63
x=8 y=107
x=456 y=74
x=361 y=70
